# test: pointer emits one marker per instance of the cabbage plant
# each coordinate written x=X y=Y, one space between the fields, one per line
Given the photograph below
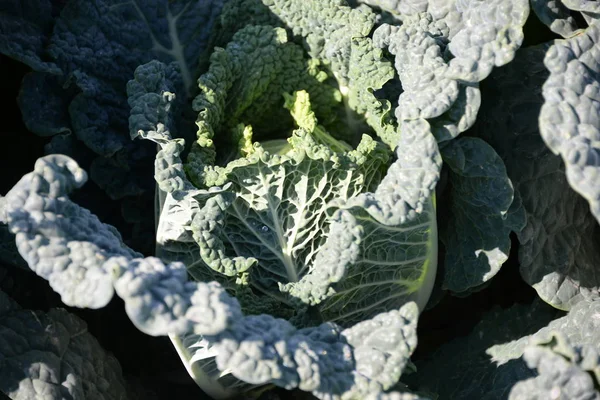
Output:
x=324 y=172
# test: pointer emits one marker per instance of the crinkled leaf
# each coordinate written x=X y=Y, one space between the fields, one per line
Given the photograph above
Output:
x=558 y=250
x=461 y=116
x=569 y=118
x=443 y=50
x=154 y=99
x=135 y=33
x=325 y=360
x=481 y=34
x=276 y=67
x=85 y=260
x=51 y=355
x=95 y=46
x=237 y=14
x=410 y=181
x=587 y=6
x=43 y=103
x=337 y=36
x=422 y=69
x=564 y=372
x=52 y=233
x=558 y=17
x=160 y=300
x=580 y=326
x=24 y=30
x=328 y=27
x=462 y=369
x=245 y=84
x=332 y=363
x=368 y=72
x=486 y=35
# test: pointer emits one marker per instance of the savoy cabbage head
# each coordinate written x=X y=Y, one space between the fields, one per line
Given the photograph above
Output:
x=289 y=216
x=325 y=172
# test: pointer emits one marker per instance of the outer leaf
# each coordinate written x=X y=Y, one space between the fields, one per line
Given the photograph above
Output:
x=95 y=46
x=51 y=355
x=462 y=369
x=159 y=300
x=404 y=192
x=331 y=363
x=569 y=121
x=55 y=250
x=83 y=259
x=172 y=31
x=482 y=34
x=587 y=6
x=461 y=116
x=427 y=91
x=580 y=327
x=24 y=30
x=154 y=100
x=486 y=364
x=477 y=236
x=43 y=103
x=558 y=255
x=443 y=50
x=478 y=44
x=558 y=17
x=564 y=372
